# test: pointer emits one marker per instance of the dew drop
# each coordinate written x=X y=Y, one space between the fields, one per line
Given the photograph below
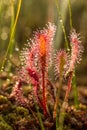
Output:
x=68 y=50
x=5 y=59
x=27 y=40
x=17 y=49
x=10 y=56
x=35 y=64
x=2 y=69
x=8 y=80
x=61 y=20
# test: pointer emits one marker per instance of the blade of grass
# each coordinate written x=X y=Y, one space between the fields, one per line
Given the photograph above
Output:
x=10 y=44
x=12 y=25
x=60 y=121
x=70 y=14
x=13 y=39
x=62 y=116
x=58 y=95
x=39 y=117
x=74 y=75
x=76 y=102
x=62 y=111
x=1 y=7
x=62 y=24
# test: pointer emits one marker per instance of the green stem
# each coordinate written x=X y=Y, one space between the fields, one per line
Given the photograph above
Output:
x=62 y=115
x=62 y=25
x=74 y=76
x=68 y=87
x=1 y=7
x=65 y=103
x=12 y=35
x=56 y=109
x=75 y=91
x=39 y=117
x=70 y=14
x=58 y=95
x=12 y=24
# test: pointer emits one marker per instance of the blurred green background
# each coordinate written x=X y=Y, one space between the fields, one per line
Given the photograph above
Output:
x=35 y=14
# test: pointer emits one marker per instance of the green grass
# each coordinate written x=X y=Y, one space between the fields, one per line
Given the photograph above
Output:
x=67 y=47
x=10 y=47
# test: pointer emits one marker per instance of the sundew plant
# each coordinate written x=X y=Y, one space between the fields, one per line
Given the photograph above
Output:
x=36 y=58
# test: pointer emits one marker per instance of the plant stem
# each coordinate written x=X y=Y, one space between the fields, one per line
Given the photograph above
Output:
x=1 y=7
x=12 y=24
x=75 y=91
x=70 y=14
x=10 y=44
x=65 y=103
x=44 y=96
x=62 y=115
x=68 y=87
x=39 y=117
x=58 y=95
x=74 y=76
x=62 y=25
x=56 y=112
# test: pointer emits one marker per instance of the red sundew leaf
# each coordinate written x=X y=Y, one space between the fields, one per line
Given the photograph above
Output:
x=37 y=58
x=76 y=50
x=62 y=59
x=18 y=94
x=43 y=39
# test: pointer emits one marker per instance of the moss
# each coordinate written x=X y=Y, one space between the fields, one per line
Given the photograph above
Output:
x=11 y=118
x=27 y=90
x=1 y=119
x=15 y=114
x=3 y=99
x=19 y=116
x=4 y=125
x=22 y=111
